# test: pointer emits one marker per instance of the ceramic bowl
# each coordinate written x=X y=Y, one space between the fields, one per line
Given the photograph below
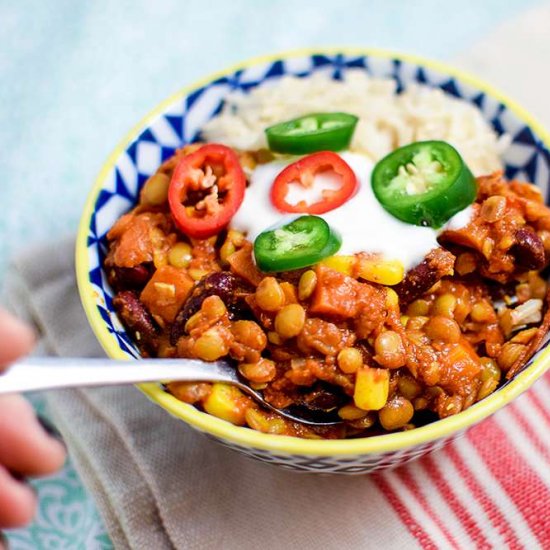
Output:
x=177 y=121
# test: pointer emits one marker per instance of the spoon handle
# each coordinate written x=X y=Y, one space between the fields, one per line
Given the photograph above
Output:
x=42 y=373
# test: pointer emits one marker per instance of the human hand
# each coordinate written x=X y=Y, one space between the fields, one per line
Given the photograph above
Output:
x=26 y=449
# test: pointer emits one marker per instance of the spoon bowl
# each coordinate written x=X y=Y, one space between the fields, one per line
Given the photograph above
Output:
x=45 y=373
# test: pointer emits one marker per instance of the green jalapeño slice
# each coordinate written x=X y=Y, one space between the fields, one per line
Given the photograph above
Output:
x=302 y=242
x=312 y=133
x=424 y=183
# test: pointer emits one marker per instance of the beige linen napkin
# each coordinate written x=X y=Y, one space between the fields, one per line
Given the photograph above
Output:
x=159 y=484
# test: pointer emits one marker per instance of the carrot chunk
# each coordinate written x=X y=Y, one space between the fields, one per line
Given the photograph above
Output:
x=166 y=292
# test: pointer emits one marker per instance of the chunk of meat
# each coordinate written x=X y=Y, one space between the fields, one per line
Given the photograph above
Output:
x=436 y=265
x=335 y=294
x=322 y=337
x=140 y=238
x=460 y=367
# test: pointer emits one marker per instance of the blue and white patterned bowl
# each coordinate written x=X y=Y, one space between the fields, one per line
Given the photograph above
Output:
x=177 y=121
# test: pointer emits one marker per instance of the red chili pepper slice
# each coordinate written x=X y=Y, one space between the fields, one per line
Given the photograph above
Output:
x=303 y=172
x=206 y=190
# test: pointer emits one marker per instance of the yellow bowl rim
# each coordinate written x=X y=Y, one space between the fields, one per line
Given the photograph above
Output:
x=285 y=444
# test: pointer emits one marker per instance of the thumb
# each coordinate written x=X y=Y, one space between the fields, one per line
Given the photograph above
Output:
x=16 y=339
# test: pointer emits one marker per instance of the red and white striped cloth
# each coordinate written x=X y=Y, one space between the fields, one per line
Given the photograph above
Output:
x=488 y=489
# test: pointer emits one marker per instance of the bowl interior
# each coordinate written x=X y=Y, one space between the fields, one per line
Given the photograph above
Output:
x=179 y=119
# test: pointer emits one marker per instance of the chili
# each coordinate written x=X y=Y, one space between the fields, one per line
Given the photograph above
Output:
x=206 y=189
x=300 y=243
x=424 y=183
x=311 y=133
x=303 y=172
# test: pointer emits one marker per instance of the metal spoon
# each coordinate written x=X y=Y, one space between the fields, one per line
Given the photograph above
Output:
x=43 y=373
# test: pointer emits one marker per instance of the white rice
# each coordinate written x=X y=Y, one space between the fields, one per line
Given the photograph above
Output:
x=387 y=120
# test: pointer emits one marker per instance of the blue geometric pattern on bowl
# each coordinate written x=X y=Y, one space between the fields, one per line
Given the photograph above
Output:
x=526 y=158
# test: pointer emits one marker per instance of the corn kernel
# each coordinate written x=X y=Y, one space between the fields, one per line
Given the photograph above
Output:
x=384 y=272
x=224 y=402
x=343 y=264
x=372 y=388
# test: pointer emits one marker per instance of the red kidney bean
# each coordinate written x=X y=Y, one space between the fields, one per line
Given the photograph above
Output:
x=528 y=249
x=323 y=397
x=130 y=277
x=223 y=284
x=137 y=319
x=419 y=279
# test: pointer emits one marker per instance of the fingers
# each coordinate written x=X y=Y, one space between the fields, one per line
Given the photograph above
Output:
x=26 y=447
x=17 y=501
x=16 y=339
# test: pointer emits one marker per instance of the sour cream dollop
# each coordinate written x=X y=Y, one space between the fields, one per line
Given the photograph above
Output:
x=362 y=222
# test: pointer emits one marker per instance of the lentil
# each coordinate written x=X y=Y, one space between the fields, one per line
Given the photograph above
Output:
x=307 y=284
x=389 y=349
x=350 y=360
x=289 y=322
x=180 y=255
x=443 y=329
x=270 y=295
x=396 y=413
